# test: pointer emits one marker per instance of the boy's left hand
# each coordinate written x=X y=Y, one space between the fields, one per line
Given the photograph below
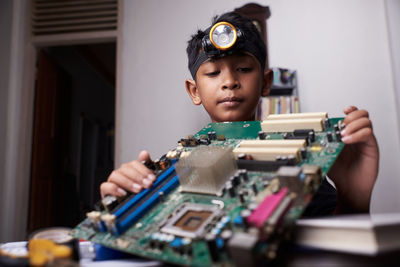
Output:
x=356 y=169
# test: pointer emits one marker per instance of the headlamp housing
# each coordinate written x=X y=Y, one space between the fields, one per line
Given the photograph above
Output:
x=223 y=37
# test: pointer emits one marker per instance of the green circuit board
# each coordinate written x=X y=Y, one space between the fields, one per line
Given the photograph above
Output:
x=188 y=227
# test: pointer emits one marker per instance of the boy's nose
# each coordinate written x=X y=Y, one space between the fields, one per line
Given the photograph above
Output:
x=230 y=81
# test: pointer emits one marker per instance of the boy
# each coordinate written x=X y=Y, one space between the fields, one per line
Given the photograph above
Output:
x=228 y=82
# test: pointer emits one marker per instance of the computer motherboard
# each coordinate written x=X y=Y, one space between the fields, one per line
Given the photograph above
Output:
x=225 y=196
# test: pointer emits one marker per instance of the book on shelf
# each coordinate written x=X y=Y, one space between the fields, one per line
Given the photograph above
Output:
x=283 y=97
x=363 y=234
x=278 y=105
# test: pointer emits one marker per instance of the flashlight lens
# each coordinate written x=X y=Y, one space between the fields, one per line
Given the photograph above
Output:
x=224 y=36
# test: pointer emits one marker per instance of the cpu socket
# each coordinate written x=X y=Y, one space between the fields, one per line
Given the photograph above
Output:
x=191 y=220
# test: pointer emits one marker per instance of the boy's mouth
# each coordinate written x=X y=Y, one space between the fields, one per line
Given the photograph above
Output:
x=230 y=101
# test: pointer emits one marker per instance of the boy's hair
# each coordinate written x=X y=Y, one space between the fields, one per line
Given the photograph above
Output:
x=252 y=38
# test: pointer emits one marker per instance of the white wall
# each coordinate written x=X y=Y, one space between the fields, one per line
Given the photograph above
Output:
x=393 y=21
x=341 y=52
x=340 y=49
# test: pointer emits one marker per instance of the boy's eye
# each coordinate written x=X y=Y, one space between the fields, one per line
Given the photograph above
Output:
x=245 y=69
x=212 y=73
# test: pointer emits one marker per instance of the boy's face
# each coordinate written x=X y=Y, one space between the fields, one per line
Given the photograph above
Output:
x=230 y=87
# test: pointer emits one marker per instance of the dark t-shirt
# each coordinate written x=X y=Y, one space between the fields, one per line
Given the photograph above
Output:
x=324 y=201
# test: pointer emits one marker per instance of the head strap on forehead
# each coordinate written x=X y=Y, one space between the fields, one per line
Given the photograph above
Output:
x=223 y=39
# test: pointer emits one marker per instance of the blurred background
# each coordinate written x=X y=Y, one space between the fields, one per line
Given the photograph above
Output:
x=86 y=85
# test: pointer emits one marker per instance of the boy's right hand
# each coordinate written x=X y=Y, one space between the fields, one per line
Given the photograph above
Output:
x=131 y=176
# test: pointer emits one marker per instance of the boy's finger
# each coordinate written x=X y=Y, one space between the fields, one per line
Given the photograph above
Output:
x=355 y=115
x=359 y=136
x=111 y=189
x=137 y=165
x=149 y=176
x=131 y=171
x=144 y=175
x=135 y=170
x=121 y=180
x=356 y=125
x=349 y=109
x=144 y=156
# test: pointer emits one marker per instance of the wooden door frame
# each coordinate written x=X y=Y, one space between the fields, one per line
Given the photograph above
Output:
x=14 y=192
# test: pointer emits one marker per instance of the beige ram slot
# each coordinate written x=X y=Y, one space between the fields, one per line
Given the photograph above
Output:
x=268 y=153
x=291 y=116
x=273 y=126
x=274 y=143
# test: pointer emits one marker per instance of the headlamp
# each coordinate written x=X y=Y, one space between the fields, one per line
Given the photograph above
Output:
x=222 y=37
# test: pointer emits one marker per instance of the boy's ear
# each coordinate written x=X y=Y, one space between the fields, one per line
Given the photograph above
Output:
x=193 y=92
x=267 y=82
